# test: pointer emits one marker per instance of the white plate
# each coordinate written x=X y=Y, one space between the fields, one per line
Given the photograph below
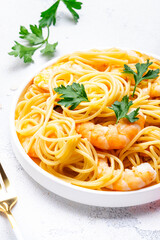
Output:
x=67 y=190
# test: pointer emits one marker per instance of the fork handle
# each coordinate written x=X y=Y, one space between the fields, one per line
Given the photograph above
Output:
x=14 y=225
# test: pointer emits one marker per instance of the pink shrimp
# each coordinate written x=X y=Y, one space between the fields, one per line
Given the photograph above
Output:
x=155 y=90
x=137 y=178
x=113 y=136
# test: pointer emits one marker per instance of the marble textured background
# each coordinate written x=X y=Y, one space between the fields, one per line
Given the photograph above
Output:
x=40 y=213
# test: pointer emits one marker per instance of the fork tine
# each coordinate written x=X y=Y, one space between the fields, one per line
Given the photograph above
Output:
x=4 y=177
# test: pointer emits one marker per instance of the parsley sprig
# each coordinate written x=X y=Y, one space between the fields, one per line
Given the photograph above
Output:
x=71 y=5
x=71 y=95
x=121 y=109
x=34 y=38
x=49 y=16
x=141 y=73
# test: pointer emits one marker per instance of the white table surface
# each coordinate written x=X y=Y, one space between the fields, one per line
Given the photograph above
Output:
x=103 y=23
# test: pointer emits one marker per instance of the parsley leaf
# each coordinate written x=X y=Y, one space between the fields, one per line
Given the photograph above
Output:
x=23 y=52
x=132 y=116
x=71 y=5
x=35 y=37
x=72 y=95
x=49 y=16
x=121 y=109
x=49 y=48
x=141 y=69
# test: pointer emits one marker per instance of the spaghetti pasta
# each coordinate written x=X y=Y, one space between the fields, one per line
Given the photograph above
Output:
x=49 y=135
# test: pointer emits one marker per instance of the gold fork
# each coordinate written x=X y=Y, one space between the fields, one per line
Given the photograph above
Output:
x=7 y=200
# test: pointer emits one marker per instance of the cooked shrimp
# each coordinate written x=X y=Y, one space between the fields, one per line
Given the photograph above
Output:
x=155 y=90
x=137 y=178
x=42 y=78
x=25 y=141
x=113 y=136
